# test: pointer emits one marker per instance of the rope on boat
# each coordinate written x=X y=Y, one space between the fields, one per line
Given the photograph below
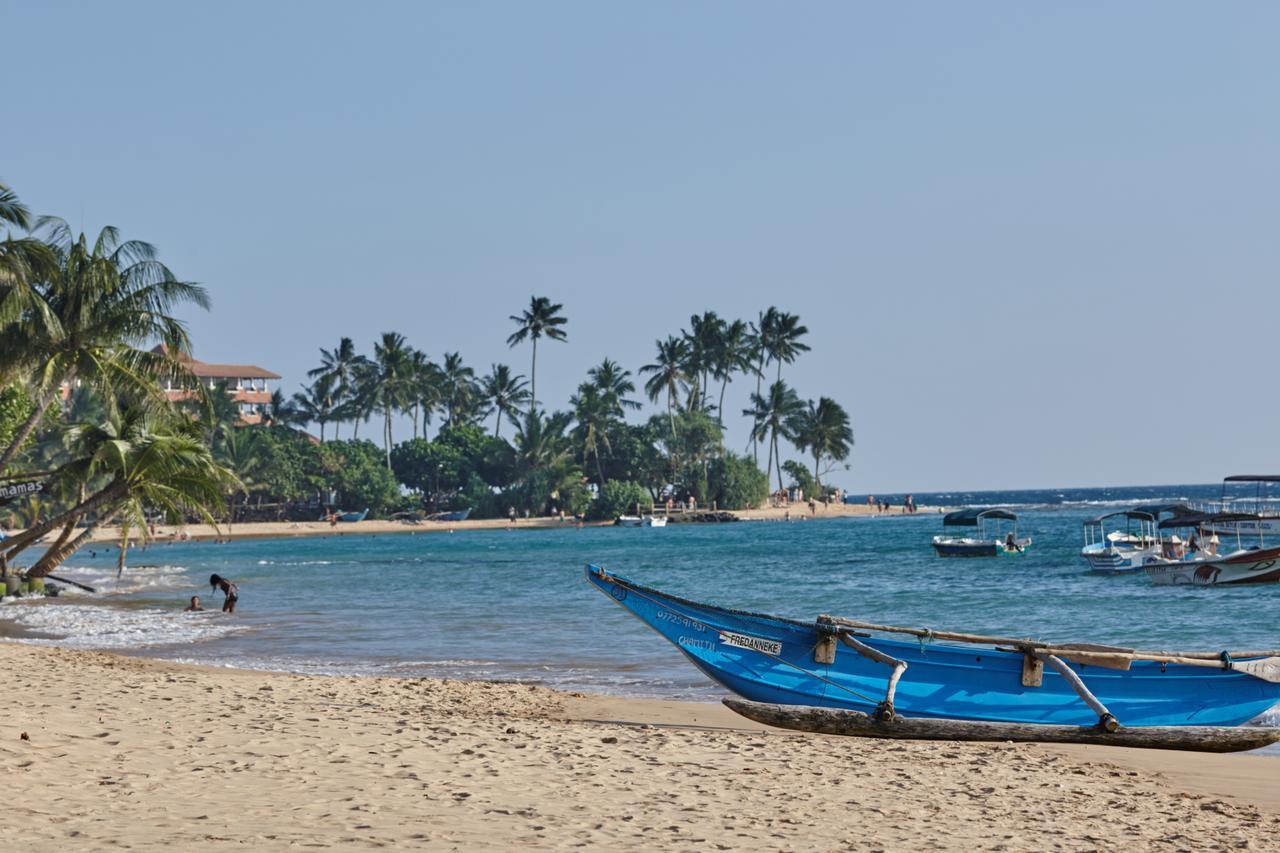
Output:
x=773 y=657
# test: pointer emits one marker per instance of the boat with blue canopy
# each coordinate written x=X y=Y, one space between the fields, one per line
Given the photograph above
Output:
x=998 y=543
x=924 y=674
x=1127 y=550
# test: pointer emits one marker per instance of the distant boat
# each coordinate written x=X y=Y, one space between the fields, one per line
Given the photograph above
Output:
x=1197 y=561
x=1263 y=507
x=628 y=521
x=455 y=515
x=934 y=678
x=1124 y=552
x=353 y=516
x=655 y=521
x=980 y=545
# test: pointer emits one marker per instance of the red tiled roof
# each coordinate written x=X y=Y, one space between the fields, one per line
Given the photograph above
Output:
x=222 y=371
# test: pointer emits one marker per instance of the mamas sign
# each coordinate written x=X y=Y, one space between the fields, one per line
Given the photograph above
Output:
x=13 y=491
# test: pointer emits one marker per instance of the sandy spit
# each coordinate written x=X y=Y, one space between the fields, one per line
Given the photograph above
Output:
x=129 y=753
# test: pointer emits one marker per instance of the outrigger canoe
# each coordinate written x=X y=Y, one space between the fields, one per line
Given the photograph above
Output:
x=941 y=676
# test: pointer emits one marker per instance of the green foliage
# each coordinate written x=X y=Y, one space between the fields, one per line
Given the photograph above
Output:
x=735 y=482
x=294 y=470
x=16 y=406
x=801 y=478
x=357 y=472
x=620 y=497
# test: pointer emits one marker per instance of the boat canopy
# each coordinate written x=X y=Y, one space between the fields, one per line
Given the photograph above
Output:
x=970 y=517
x=1200 y=519
x=1252 y=478
x=1149 y=512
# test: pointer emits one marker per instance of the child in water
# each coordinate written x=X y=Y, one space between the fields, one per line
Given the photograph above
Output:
x=229 y=589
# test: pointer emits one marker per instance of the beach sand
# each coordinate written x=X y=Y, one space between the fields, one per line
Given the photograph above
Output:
x=288 y=529
x=131 y=753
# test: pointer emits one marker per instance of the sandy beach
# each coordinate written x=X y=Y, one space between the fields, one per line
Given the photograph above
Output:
x=287 y=529
x=106 y=752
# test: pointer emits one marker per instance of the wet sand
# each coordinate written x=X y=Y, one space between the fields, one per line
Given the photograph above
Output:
x=125 y=752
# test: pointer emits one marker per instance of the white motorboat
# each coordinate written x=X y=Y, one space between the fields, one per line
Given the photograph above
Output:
x=1197 y=562
x=980 y=545
x=1128 y=550
x=655 y=521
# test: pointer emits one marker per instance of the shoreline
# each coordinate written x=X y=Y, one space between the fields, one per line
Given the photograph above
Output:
x=166 y=533
x=152 y=754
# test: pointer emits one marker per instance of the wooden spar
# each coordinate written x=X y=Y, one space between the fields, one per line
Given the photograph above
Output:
x=72 y=583
x=1027 y=644
x=899 y=667
x=836 y=721
x=1106 y=719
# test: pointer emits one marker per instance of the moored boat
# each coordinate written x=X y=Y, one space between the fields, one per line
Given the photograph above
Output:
x=1198 y=561
x=1126 y=551
x=455 y=515
x=980 y=545
x=838 y=663
x=655 y=521
x=628 y=521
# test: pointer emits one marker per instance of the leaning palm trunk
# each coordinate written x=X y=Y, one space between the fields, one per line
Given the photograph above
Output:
x=15 y=545
x=55 y=557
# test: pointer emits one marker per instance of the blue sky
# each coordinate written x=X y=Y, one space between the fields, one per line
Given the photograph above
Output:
x=1034 y=243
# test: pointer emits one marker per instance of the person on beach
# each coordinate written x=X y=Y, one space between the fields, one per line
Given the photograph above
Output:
x=194 y=606
x=229 y=589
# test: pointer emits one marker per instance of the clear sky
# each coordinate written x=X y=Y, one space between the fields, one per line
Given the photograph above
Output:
x=1035 y=244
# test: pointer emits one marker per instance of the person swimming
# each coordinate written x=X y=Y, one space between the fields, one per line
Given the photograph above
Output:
x=194 y=606
x=229 y=589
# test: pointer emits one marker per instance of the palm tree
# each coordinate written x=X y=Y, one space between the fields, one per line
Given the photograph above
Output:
x=504 y=394
x=703 y=340
x=783 y=343
x=90 y=317
x=594 y=414
x=394 y=381
x=362 y=402
x=824 y=431
x=281 y=411
x=732 y=354
x=23 y=260
x=426 y=390
x=341 y=366
x=139 y=458
x=614 y=384
x=668 y=375
x=315 y=403
x=540 y=318
x=772 y=416
x=458 y=383
x=542 y=458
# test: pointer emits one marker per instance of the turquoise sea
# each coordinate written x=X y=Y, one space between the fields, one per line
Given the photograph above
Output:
x=513 y=604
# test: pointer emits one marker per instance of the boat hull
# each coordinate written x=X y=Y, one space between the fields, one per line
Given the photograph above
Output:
x=768 y=659
x=1118 y=560
x=833 y=721
x=946 y=546
x=1248 y=567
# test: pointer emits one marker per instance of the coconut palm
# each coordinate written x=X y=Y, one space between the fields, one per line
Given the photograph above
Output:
x=341 y=366
x=504 y=394
x=703 y=339
x=425 y=389
x=823 y=430
x=668 y=375
x=542 y=457
x=783 y=342
x=594 y=413
x=772 y=415
x=139 y=458
x=458 y=383
x=315 y=403
x=362 y=402
x=281 y=411
x=394 y=381
x=92 y=316
x=614 y=384
x=542 y=317
x=732 y=354
x=23 y=260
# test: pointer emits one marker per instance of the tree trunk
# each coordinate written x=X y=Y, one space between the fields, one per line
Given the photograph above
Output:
x=497 y=422
x=16 y=544
x=724 y=386
x=28 y=427
x=321 y=431
x=777 y=458
x=816 y=481
x=533 y=378
x=55 y=557
x=756 y=441
x=386 y=433
x=768 y=468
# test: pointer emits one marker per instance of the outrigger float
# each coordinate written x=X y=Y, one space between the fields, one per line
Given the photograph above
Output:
x=832 y=675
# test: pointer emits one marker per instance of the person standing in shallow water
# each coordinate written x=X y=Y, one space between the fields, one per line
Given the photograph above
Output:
x=229 y=590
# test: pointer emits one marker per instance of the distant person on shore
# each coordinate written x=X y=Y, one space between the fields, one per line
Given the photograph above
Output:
x=229 y=590
x=194 y=606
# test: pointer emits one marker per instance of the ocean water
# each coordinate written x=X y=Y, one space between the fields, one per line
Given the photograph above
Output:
x=512 y=605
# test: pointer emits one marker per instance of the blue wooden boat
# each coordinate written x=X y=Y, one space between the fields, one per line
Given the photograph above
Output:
x=838 y=663
x=456 y=515
x=353 y=516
